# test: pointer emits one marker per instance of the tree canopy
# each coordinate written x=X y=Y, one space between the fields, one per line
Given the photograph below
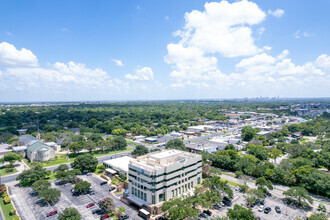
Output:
x=69 y=214
x=85 y=162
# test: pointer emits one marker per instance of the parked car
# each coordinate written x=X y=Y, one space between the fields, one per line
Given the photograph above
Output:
x=263 y=202
x=33 y=193
x=78 y=180
x=123 y=217
x=277 y=209
x=91 y=192
x=67 y=184
x=160 y=218
x=89 y=174
x=103 y=183
x=253 y=204
x=54 y=212
x=112 y=188
x=208 y=212
x=261 y=208
x=85 y=172
x=237 y=188
x=96 y=211
x=216 y=207
x=227 y=203
x=105 y=216
x=75 y=193
x=268 y=194
x=203 y=215
x=90 y=205
x=267 y=210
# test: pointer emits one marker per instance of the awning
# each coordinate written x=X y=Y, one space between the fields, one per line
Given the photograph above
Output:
x=144 y=211
x=111 y=171
x=136 y=201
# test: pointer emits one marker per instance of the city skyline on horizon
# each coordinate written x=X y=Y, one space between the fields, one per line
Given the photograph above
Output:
x=164 y=50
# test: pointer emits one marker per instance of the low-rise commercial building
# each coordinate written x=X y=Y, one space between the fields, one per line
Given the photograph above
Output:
x=159 y=176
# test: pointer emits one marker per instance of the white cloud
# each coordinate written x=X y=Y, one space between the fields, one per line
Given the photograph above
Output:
x=118 y=62
x=10 y=56
x=203 y=42
x=277 y=13
x=142 y=74
x=261 y=30
x=298 y=34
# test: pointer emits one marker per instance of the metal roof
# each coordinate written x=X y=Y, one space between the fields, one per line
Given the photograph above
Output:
x=35 y=146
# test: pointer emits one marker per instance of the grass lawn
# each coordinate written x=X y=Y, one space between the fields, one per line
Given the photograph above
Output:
x=6 y=209
x=228 y=174
x=63 y=158
x=3 y=171
x=230 y=182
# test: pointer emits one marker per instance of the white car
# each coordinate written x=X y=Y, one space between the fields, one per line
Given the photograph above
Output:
x=67 y=184
x=237 y=188
x=261 y=208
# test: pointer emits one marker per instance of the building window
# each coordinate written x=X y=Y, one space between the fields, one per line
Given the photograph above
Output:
x=176 y=192
x=172 y=193
x=153 y=199
x=198 y=180
x=182 y=189
x=179 y=190
x=161 y=197
x=145 y=197
x=188 y=185
x=192 y=184
x=185 y=187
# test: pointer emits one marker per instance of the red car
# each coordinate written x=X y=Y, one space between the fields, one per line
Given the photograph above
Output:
x=105 y=216
x=54 y=212
x=90 y=205
x=78 y=180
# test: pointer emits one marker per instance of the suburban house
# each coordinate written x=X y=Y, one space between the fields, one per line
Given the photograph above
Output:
x=39 y=152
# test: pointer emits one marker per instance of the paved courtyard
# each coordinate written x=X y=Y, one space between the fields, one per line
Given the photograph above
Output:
x=31 y=207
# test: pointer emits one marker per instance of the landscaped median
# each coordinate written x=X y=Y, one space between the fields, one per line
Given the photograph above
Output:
x=63 y=158
x=8 y=209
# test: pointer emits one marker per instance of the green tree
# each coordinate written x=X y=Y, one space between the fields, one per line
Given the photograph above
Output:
x=85 y=162
x=12 y=157
x=258 y=151
x=248 y=133
x=90 y=146
x=28 y=177
x=50 y=195
x=40 y=185
x=275 y=153
x=107 y=205
x=176 y=144
x=230 y=147
x=299 y=194
x=179 y=208
x=75 y=147
x=140 y=150
x=240 y=213
x=62 y=167
x=82 y=186
x=318 y=216
x=218 y=187
x=69 y=214
x=118 y=143
x=262 y=182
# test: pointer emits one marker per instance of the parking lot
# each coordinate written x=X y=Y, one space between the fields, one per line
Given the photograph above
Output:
x=31 y=207
x=288 y=212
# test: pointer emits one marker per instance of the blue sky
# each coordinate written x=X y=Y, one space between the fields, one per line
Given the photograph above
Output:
x=187 y=49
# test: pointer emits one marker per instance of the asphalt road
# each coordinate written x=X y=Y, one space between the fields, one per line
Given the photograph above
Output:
x=12 y=178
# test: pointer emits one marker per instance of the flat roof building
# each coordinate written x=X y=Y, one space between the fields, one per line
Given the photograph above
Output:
x=117 y=165
x=159 y=176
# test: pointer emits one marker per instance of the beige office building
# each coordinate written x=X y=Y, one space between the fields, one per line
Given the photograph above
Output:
x=159 y=176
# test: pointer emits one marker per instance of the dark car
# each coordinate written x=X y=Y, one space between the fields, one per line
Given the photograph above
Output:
x=257 y=201
x=105 y=216
x=225 y=198
x=103 y=183
x=123 y=217
x=268 y=194
x=216 y=207
x=74 y=193
x=208 y=212
x=90 y=205
x=263 y=202
x=33 y=193
x=267 y=210
x=96 y=211
x=277 y=209
x=203 y=215
x=253 y=204
x=85 y=172
x=112 y=188
x=227 y=203
x=91 y=192
x=54 y=212
x=160 y=218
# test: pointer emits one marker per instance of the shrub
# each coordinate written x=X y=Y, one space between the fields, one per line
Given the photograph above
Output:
x=15 y=217
x=9 y=170
x=12 y=212
x=6 y=200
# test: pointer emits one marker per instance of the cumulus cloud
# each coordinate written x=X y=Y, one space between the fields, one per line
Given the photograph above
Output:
x=277 y=13
x=10 y=56
x=224 y=30
x=142 y=74
x=118 y=62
